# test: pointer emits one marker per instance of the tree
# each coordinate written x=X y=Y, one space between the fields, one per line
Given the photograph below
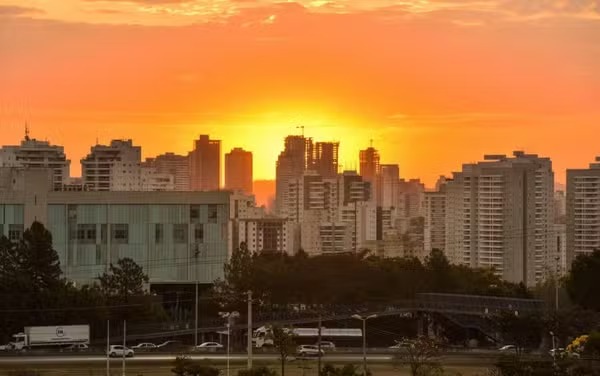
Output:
x=257 y=371
x=238 y=279
x=123 y=280
x=184 y=366
x=583 y=280
x=347 y=370
x=38 y=259
x=420 y=357
x=283 y=341
x=521 y=330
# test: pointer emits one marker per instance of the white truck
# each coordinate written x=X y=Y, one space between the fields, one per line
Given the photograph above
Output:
x=50 y=336
x=263 y=336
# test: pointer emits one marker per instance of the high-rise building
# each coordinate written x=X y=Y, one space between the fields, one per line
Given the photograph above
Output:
x=501 y=213
x=325 y=159
x=435 y=220
x=369 y=170
x=238 y=170
x=34 y=153
x=583 y=211
x=291 y=164
x=205 y=164
x=389 y=182
x=175 y=165
x=114 y=167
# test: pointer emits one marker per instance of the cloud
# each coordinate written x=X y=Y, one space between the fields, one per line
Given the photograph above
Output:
x=146 y=2
x=16 y=11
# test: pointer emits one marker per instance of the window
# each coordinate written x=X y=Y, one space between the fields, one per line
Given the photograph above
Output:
x=86 y=233
x=120 y=233
x=212 y=213
x=199 y=233
x=103 y=234
x=194 y=213
x=180 y=233
x=15 y=232
x=158 y=233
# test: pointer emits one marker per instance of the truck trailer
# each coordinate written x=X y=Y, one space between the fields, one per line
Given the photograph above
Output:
x=50 y=336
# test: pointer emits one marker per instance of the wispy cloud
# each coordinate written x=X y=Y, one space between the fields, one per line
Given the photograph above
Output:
x=15 y=11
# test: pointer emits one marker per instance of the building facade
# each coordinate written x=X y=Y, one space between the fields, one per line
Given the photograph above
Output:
x=583 y=211
x=114 y=167
x=33 y=153
x=179 y=237
x=205 y=164
x=174 y=165
x=499 y=214
x=238 y=170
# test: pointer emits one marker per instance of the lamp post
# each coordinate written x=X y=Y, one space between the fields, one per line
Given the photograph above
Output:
x=229 y=316
x=364 y=322
x=553 y=348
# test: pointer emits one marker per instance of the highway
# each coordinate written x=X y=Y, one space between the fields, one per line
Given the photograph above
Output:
x=7 y=361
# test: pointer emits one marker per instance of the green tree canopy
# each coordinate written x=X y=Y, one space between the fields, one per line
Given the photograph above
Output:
x=124 y=279
x=583 y=281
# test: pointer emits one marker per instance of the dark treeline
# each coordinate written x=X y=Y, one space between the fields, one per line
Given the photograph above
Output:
x=350 y=279
x=33 y=291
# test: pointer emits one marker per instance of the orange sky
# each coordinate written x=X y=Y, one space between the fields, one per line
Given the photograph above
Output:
x=434 y=83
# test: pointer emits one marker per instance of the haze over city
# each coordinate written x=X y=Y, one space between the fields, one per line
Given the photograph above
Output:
x=423 y=80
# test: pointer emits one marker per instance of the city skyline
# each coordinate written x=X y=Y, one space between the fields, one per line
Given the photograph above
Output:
x=423 y=80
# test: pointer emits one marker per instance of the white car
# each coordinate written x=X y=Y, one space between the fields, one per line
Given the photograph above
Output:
x=144 y=346
x=78 y=347
x=118 y=351
x=507 y=348
x=209 y=346
x=561 y=353
x=401 y=345
x=309 y=350
x=327 y=345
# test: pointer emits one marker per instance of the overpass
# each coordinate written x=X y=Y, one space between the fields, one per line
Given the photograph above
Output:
x=468 y=311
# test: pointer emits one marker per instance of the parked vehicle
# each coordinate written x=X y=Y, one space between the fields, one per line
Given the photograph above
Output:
x=508 y=348
x=401 y=345
x=326 y=345
x=169 y=345
x=77 y=347
x=50 y=336
x=309 y=351
x=144 y=346
x=209 y=346
x=118 y=351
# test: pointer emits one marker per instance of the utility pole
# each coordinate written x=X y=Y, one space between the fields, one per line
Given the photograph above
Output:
x=249 y=330
x=107 y=347
x=556 y=283
x=196 y=317
x=124 y=344
x=319 y=349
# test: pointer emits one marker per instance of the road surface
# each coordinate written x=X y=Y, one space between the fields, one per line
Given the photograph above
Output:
x=8 y=361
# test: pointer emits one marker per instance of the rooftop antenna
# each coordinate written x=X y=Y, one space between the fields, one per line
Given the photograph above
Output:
x=371 y=142
x=26 y=132
x=301 y=127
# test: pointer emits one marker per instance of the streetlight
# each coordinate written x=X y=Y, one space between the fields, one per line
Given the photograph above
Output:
x=229 y=316
x=553 y=348
x=364 y=321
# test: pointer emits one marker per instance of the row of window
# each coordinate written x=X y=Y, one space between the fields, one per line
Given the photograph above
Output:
x=87 y=233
